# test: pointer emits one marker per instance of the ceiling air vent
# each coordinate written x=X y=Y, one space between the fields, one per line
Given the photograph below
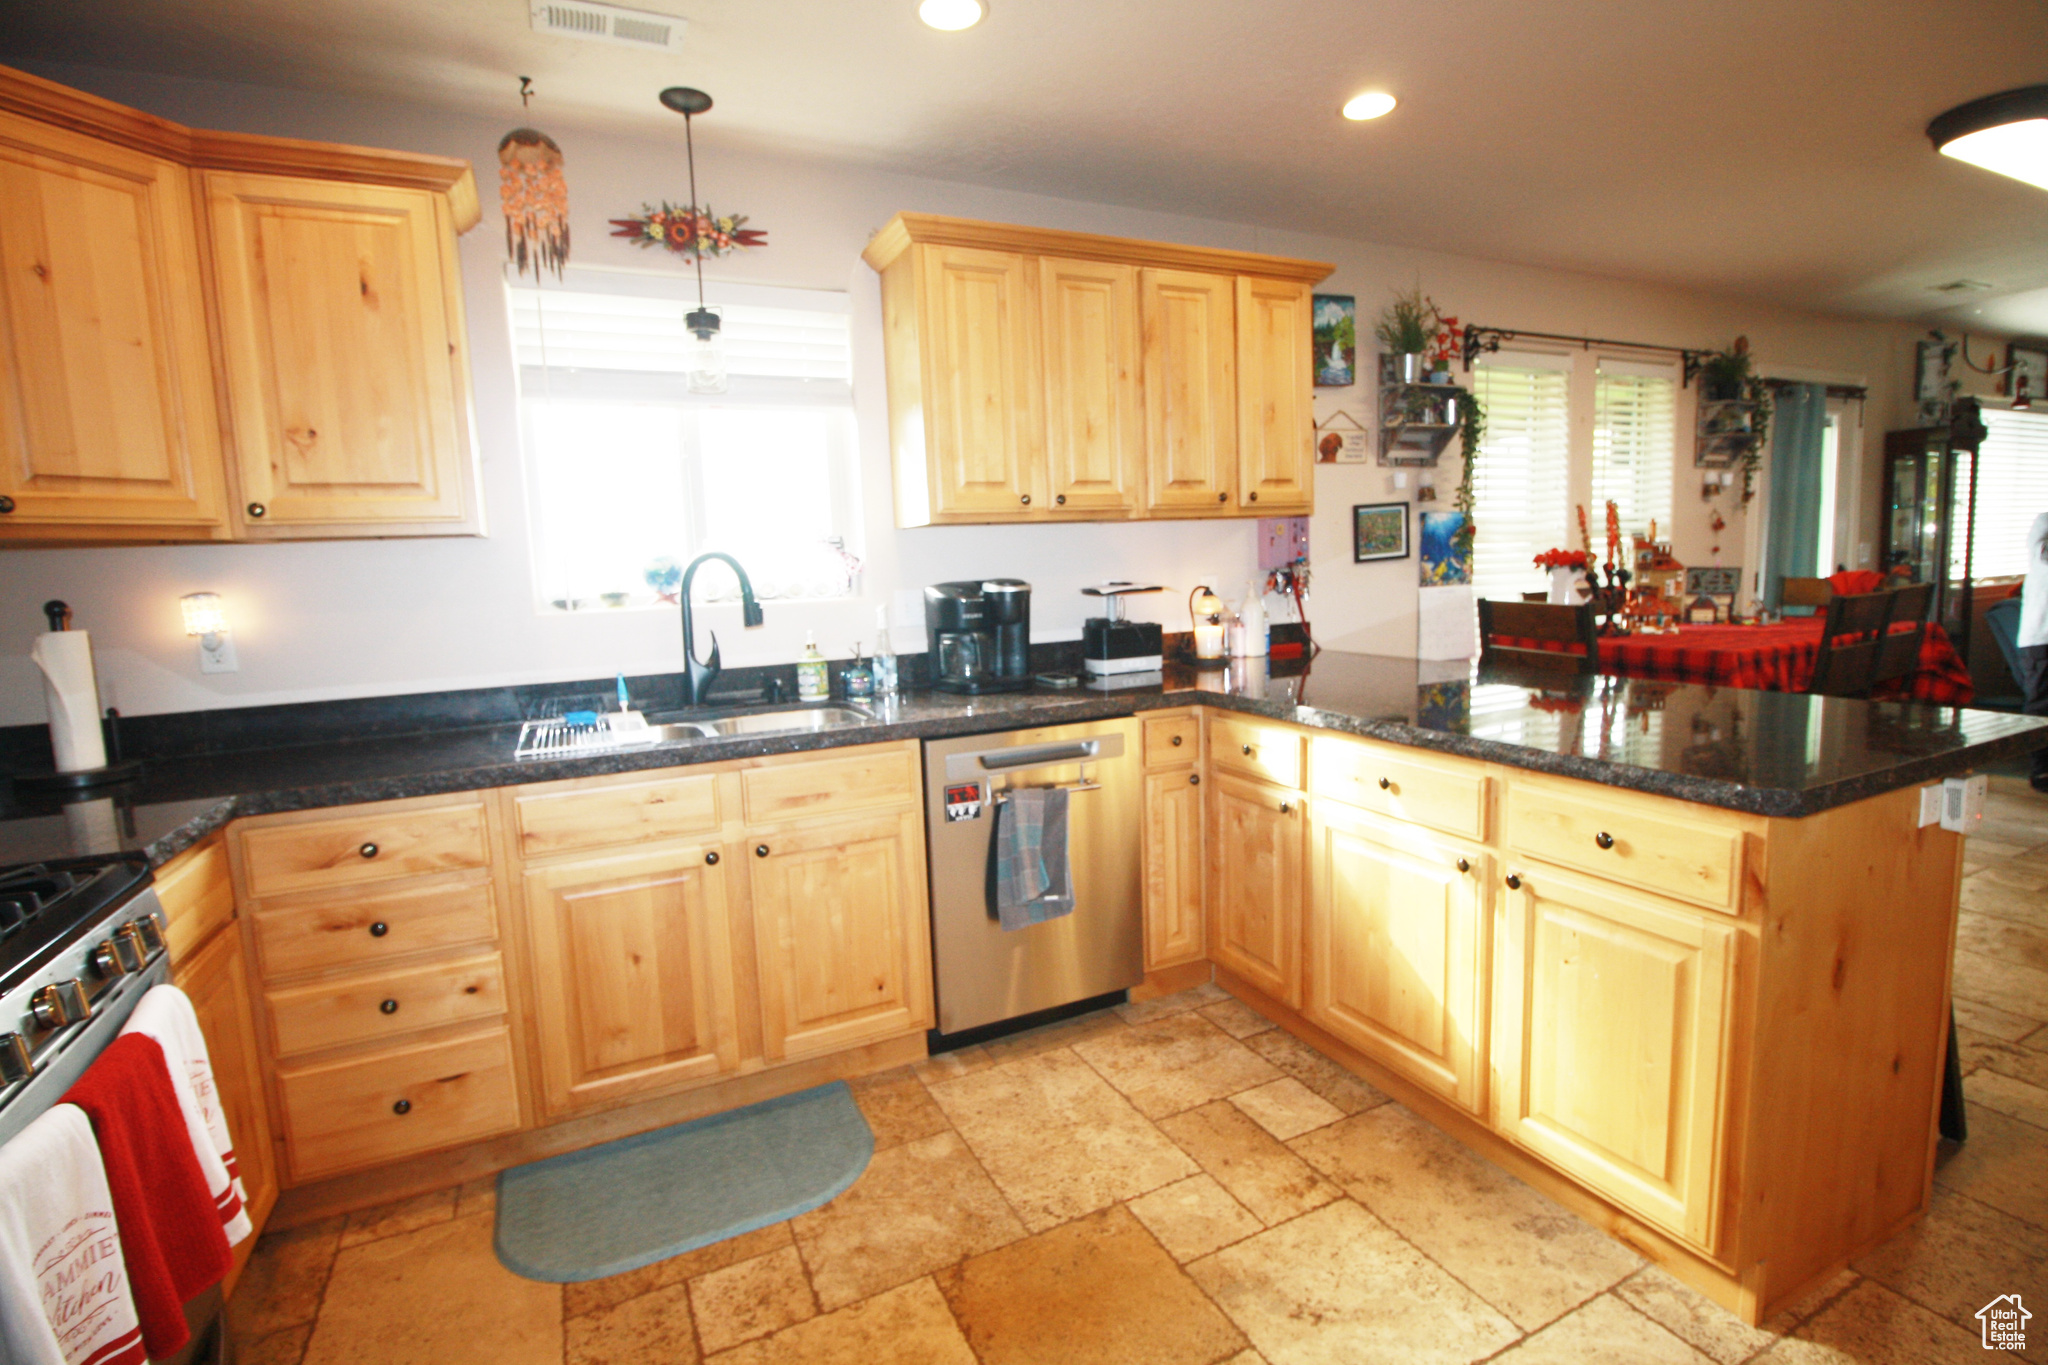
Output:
x=609 y=24
x=1960 y=287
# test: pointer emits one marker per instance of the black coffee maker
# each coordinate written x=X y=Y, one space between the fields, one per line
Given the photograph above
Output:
x=979 y=634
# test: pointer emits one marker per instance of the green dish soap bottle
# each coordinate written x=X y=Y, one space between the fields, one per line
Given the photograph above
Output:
x=813 y=680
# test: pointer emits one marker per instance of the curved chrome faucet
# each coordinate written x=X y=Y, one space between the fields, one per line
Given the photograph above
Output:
x=698 y=677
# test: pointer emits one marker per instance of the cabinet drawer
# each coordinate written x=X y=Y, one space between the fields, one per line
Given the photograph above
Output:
x=861 y=780
x=630 y=813
x=363 y=846
x=1172 y=739
x=1262 y=751
x=374 y=1109
x=1377 y=777
x=1701 y=863
x=364 y=931
x=360 y=1009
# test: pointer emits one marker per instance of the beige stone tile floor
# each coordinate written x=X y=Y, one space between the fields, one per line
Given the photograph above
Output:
x=1177 y=1182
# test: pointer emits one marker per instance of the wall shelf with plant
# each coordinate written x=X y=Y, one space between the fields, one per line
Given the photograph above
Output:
x=1733 y=418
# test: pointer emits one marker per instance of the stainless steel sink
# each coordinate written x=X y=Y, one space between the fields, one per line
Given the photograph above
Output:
x=810 y=719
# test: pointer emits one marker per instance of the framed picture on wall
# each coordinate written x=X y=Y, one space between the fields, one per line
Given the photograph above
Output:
x=1336 y=340
x=2029 y=371
x=1379 y=530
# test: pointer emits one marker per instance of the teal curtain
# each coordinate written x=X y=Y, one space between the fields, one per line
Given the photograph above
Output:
x=1793 y=528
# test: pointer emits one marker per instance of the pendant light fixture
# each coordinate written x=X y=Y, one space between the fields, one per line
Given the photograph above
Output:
x=704 y=361
x=2007 y=133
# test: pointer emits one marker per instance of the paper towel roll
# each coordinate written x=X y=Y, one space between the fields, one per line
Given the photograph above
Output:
x=73 y=697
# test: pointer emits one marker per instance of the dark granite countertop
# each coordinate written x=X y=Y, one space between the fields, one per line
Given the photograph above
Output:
x=1768 y=753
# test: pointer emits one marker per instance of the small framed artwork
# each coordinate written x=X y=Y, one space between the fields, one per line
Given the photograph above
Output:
x=2029 y=372
x=1336 y=340
x=1379 y=530
x=1446 y=549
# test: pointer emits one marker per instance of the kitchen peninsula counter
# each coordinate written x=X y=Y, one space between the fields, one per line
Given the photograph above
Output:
x=1763 y=753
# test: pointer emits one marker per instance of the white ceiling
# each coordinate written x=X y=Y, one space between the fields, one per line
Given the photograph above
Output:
x=1769 y=148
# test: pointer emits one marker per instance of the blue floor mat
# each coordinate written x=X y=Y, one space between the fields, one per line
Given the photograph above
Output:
x=610 y=1209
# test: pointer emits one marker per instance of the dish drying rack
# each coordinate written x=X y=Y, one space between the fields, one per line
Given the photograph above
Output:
x=559 y=737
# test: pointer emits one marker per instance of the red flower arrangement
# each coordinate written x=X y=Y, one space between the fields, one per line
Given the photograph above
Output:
x=1564 y=559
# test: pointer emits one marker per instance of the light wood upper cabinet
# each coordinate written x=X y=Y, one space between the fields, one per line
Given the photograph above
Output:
x=341 y=332
x=632 y=973
x=839 y=933
x=1037 y=375
x=1089 y=312
x=1397 y=949
x=1275 y=397
x=107 y=414
x=1190 y=390
x=1257 y=847
x=1613 y=1013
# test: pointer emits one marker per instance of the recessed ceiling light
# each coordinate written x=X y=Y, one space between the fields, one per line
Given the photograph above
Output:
x=1371 y=104
x=2007 y=133
x=951 y=15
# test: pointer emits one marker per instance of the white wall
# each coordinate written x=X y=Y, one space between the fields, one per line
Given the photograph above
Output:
x=356 y=618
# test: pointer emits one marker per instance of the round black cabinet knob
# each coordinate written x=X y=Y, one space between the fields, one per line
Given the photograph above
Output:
x=1223 y=497
x=257 y=509
x=1060 y=498
x=760 y=850
x=1286 y=808
x=379 y=929
x=1514 y=882
x=387 y=1007
x=711 y=858
x=1194 y=779
x=1247 y=750
x=6 y=504
x=368 y=850
x=1176 y=741
x=1251 y=497
x=402 y=1107
x=1604 y=839
x=1464 y=864
x=1386 y=784
x=1026 y=499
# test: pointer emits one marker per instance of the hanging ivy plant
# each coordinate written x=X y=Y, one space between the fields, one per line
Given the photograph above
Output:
x=1759 y=393
x=1472 y=430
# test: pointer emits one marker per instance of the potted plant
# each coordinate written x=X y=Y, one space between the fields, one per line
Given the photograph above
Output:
x=1725 y=375
x=1404 y=329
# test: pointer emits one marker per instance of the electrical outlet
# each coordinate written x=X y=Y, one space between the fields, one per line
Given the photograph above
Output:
x=1930 y=805
x=1962 y=807
x=218 y=656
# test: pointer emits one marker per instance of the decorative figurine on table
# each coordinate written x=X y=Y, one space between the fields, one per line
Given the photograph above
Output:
x=1659 y=596
x=1610 y=601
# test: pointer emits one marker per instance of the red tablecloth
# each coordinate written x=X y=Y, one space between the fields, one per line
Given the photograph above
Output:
x=1775 y=658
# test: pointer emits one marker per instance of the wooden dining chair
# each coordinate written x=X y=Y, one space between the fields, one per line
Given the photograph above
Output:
x=1849 y=641
x=1898 y=652
x=1804 y=592
x=1503 y=626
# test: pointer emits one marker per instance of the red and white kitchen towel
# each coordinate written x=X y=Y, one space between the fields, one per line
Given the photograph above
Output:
x=166 y=1015
x=64 y=1297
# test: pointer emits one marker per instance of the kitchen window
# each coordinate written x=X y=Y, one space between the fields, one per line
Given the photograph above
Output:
x=630 y=476
x=1521 y=498
x=2012 y=489
x=1635 y=443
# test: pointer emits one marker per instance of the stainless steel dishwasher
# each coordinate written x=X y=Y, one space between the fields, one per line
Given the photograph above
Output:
x=985 y=975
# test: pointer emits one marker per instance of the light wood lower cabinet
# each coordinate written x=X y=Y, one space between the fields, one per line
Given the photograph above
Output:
x=632 y=973
x=839 y=963
x=1397 y=949
x=1174 y=929
x=1614 y=1016
x=1257 y=844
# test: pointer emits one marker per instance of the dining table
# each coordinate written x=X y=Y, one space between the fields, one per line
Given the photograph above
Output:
x=1777 y=657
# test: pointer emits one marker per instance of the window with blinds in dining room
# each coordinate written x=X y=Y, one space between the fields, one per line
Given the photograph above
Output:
x=2012 y=489
x=1635 y=442
x=1521 y=489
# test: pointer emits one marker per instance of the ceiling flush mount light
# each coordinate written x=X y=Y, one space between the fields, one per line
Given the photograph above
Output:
x=950 y=16
x=2006 y=133
x=1371 y=104
x=704 y=364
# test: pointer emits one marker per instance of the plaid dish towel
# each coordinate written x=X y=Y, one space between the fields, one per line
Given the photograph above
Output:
x=1034 y=882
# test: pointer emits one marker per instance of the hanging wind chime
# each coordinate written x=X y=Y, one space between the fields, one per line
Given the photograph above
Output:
x=693 y=233
x=534 y=196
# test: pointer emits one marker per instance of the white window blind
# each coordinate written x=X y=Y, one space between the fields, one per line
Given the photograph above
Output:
x=2012 y=489
x=1635 y=439
x=1521 y=488
x=629 y=473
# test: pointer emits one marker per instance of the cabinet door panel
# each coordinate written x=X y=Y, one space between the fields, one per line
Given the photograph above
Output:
x=106 y=396
x=1173 y=868
x=1398 y=938
x=632 y=974
x=840 y=934
x=1257 y=844
x=1613 y=1016
x=342 y=335
x=1190 y=374
x=1275 y=388
x=217 y=981
x=1090 y=319
x=981 y=381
